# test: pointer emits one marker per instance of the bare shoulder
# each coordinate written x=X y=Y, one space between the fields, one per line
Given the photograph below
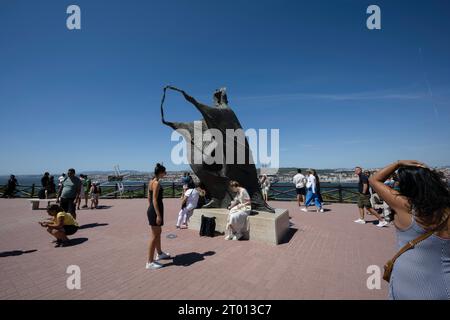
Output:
x=155 y=184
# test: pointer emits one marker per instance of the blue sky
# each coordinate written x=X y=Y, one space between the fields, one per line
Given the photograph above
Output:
x=340 y=94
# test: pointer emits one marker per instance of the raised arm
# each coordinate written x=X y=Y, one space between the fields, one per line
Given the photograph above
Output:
x=186 y=96
x=393 y=198
x=200 y=106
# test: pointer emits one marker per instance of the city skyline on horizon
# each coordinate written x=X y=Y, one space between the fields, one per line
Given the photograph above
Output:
x=137 y=172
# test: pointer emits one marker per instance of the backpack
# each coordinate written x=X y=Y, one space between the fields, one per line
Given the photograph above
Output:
x=208 y=227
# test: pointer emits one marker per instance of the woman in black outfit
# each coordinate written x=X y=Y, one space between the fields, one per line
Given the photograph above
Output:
x=155 y=214
x=319 y=195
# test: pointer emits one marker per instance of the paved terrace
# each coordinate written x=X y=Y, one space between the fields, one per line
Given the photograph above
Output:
x=326 y=257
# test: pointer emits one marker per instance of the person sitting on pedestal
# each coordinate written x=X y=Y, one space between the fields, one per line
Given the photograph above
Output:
x=240 y=209
x=189 y=202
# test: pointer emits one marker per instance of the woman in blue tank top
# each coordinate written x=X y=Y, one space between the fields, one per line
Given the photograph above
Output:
x=420 y=205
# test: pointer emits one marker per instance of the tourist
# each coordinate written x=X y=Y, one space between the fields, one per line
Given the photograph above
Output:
x=51 y=187
x=421 y=207
x=364 y=199
x=60 y=179
x=87 y=183
x=43 y=193
x=10 y=191
x=368 y=174
x=265 y=187
x=69 y=193
x=319 y=194
x=61 y=225
x=94 y=193
x=184 y=183
x=155 y=215
x=82 y=194
x=239 y=208
x=186 y=180
x=189 y=202
x=300 y=184
x=311 y=193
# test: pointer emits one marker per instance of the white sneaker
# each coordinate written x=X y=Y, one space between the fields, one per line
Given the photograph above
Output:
x=237 y=236
x=360 y=221
x=162 y=256
x=382 y=224
x=153 y=265
x=321 y=210
x=229 y=237
x=304 y=209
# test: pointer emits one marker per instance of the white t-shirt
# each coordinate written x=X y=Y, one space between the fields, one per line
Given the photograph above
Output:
x=311 y=183
x=299 y=180
x=242 y=197
x=192 y=196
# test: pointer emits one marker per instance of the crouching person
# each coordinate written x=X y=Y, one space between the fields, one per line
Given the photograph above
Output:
x=61 y=225
x=189 y=202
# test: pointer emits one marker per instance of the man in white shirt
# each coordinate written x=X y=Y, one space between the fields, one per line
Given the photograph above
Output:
x=299 y=181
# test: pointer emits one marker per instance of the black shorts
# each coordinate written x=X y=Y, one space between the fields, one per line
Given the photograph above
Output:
x=301 y=191
x=151 y=215
x=70 y=230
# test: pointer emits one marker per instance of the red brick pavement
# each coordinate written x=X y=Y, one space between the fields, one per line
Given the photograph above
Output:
x=326 y=258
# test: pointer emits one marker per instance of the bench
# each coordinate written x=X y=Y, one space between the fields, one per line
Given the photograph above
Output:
x=36 y=202
x=262 y=226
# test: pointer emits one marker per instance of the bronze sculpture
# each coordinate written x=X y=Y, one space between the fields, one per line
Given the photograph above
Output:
x=216 y=176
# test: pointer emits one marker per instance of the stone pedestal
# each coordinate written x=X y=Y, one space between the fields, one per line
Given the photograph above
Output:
x=263 y=227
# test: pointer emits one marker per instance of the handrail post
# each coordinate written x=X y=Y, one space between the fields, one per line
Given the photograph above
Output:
x=145 y=187
x=173 y=189
x=340 y=194
x=32 y=190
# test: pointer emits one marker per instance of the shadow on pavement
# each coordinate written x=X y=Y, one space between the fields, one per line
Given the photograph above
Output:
x=289 y=235
x=187 y=259
x=92 y=225
x=77 y=241
x=103 y=207
x=15 y=253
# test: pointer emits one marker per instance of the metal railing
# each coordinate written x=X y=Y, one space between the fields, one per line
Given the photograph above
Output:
x=278 y=191
x=330 y=193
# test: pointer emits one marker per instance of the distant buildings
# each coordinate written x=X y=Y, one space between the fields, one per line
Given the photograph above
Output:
x=284 y=176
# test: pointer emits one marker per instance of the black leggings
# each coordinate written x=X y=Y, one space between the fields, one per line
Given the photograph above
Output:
x=68 y=205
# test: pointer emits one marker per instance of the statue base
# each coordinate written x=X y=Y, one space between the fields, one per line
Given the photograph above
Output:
x=265 y=227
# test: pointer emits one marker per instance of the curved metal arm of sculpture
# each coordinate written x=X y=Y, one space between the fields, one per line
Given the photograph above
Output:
x=187 y=97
